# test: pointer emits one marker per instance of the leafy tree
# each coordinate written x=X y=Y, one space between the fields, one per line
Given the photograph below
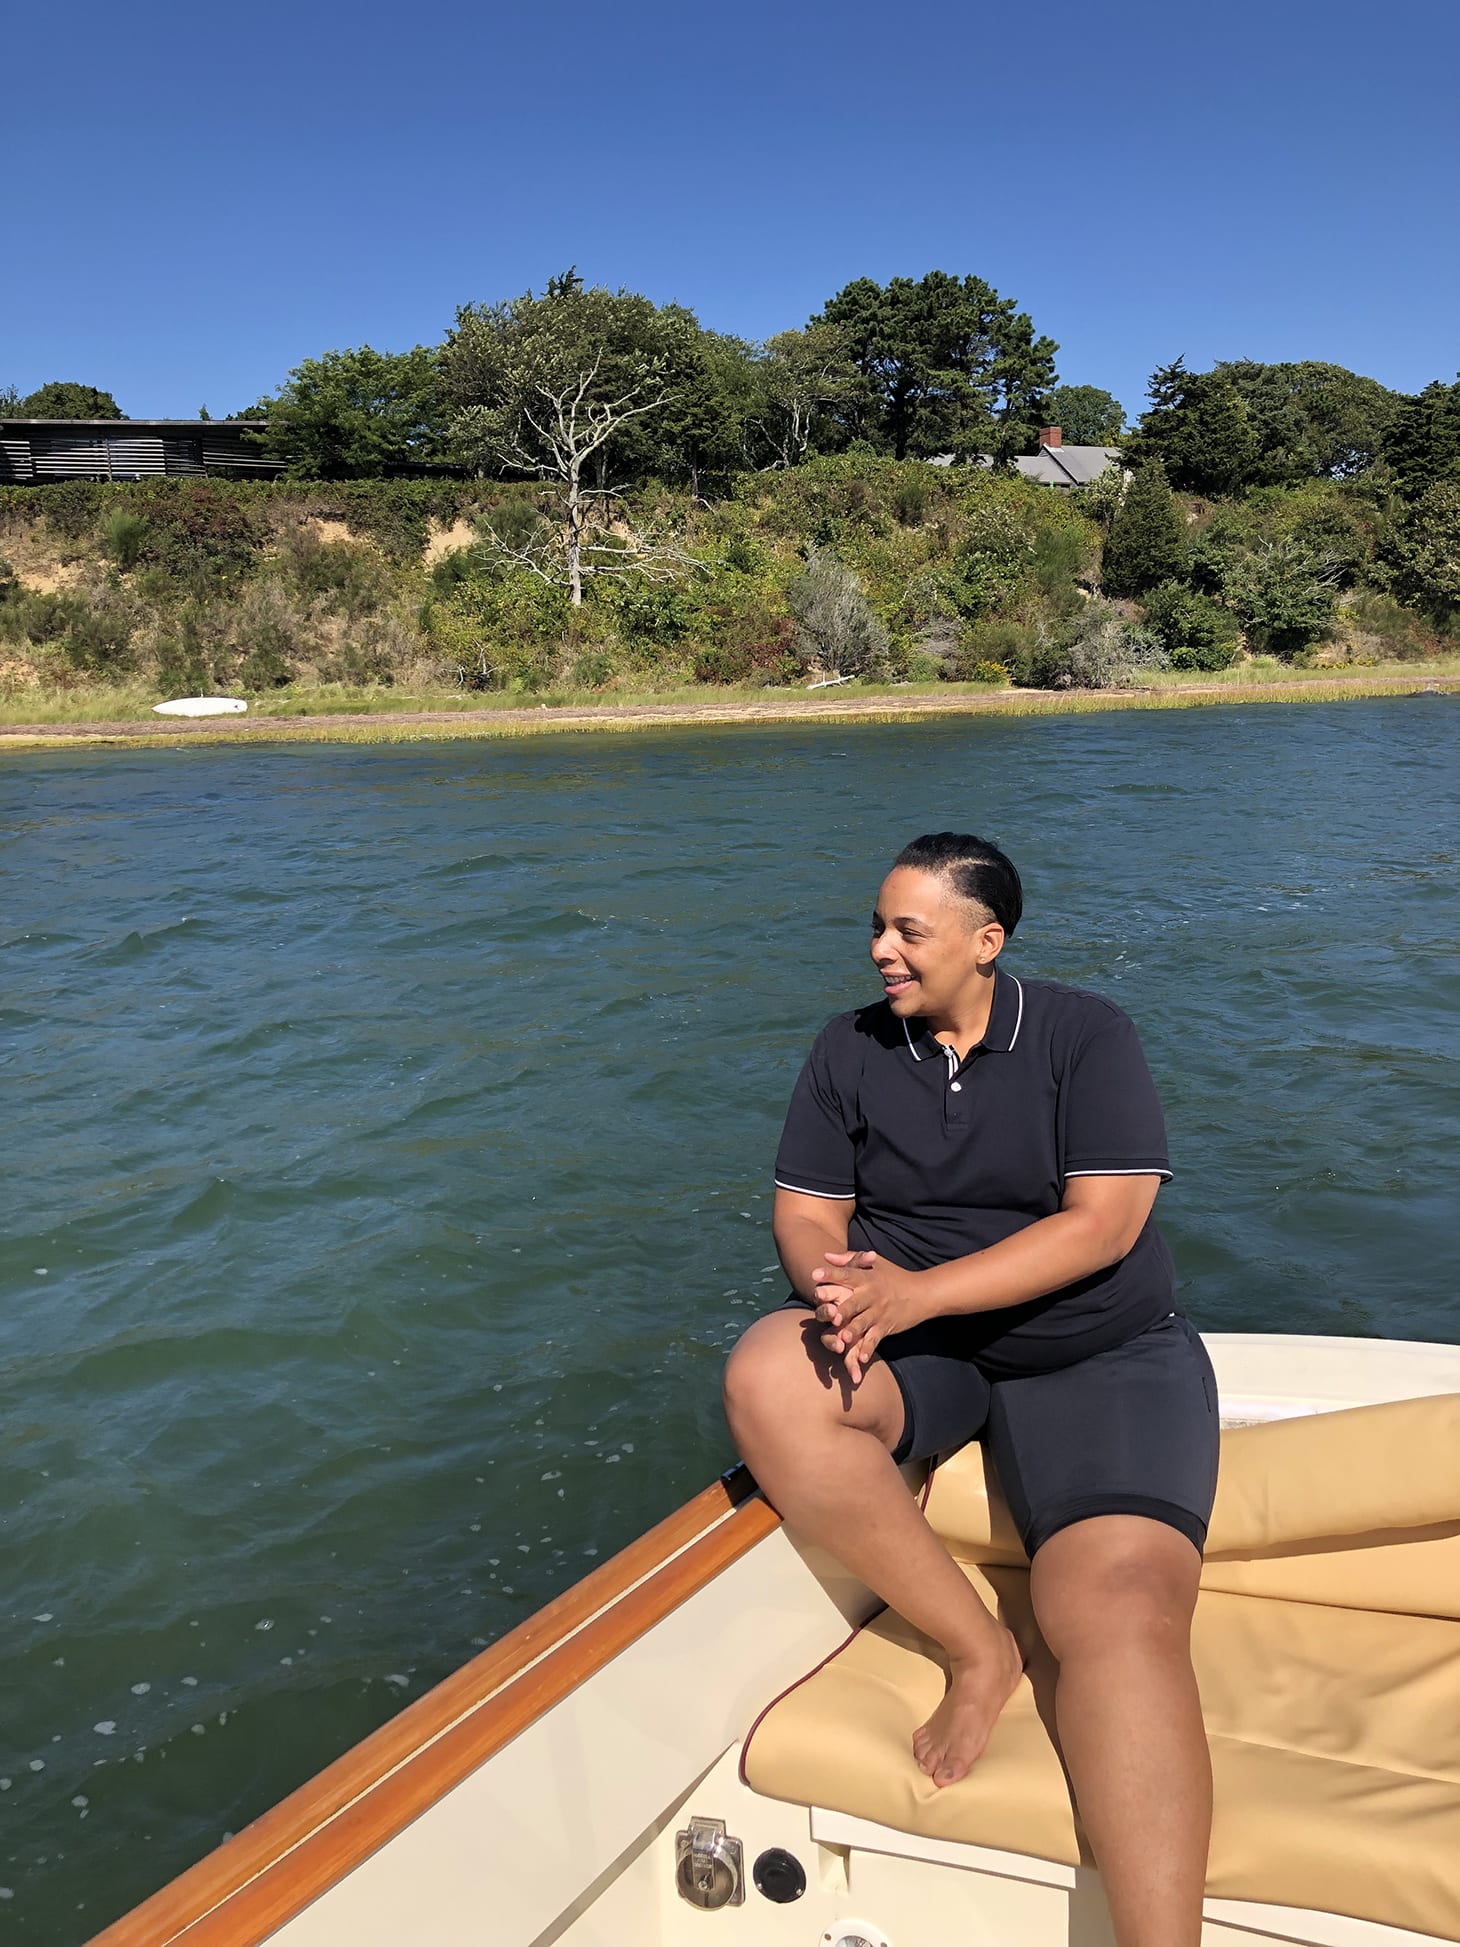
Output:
x=808 y=387
x=1311 y=420
x=1086 y=415
x=1421 y=558
x=1198 y=426
x=64 y=399
x=1147 y=541
x=1423 y=445
x=1284 y=595
x=698 y=436
x=9 y=402
x=948 y=364
x=355 y=415
x=554 y=388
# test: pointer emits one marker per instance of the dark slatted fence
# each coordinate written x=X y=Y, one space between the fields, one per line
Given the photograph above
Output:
x=35 y=450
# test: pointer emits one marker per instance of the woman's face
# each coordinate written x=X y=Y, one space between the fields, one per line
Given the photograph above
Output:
x=928 y=944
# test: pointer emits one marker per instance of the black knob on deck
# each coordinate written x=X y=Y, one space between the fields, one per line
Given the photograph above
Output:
x=780 y=1876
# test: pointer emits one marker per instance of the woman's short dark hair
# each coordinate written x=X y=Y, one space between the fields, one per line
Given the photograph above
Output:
x=978 y=870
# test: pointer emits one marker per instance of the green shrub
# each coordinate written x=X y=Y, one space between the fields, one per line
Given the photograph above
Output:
x=592 y=669
x=745 y=557
x=987 y=672
x=1198 y=632
x=1283 y=597
x=657 y=612
x=99 y=639
x=725 y=662
x=197 y=530
x=124 y=536
x=184 y=664
x=910 y=502
x=1379 y=630
x=1005 y=646
x=351 y=580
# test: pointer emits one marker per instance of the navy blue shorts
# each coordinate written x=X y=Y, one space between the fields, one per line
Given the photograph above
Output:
x=1128 y=1431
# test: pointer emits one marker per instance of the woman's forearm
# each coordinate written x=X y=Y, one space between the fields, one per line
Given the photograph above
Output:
x=1046 y=1256
x=802 y=1244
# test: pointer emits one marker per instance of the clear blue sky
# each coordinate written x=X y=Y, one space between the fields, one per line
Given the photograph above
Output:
x=196 y=197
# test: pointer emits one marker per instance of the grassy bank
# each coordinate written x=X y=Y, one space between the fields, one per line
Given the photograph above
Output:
x=360 y=598
x=1256 y=677
x=406 y=720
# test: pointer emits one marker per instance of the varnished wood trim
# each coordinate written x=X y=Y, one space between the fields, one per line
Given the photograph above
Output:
x=241 y=1893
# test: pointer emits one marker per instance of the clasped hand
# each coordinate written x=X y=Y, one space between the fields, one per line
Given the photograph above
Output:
x=863 y=1299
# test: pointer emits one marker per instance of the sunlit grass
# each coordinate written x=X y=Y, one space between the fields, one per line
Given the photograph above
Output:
x=317 y=715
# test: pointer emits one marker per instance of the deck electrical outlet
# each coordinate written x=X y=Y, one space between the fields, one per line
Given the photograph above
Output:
x=709 y=1867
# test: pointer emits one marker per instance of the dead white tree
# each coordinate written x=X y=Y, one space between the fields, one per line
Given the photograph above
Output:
x=545 y=386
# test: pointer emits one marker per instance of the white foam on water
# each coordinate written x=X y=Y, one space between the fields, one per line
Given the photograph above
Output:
x=106 y=1727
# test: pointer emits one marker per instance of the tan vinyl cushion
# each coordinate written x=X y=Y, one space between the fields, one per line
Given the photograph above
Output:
x=1359 y=1507
x=1334 y=1722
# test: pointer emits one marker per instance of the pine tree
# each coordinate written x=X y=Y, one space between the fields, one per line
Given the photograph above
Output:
x=1199 y=427
x=1147 y=542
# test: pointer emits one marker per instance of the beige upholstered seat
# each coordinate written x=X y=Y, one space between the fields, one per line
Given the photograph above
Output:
x=1327 y=1646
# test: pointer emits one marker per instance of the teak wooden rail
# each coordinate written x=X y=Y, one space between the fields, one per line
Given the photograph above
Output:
x=254 y=1882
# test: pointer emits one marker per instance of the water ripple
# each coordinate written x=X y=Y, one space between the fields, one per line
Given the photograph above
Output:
x=389 y=1165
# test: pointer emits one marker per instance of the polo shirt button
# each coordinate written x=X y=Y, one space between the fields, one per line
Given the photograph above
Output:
x=955 y=1086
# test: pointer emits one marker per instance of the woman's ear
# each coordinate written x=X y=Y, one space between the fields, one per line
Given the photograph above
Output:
x=989 y=943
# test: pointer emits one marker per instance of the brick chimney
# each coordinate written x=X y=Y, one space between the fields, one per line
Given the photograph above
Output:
x=1050 y=436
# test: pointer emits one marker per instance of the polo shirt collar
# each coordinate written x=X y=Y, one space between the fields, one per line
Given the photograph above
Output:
x=1005 y=1019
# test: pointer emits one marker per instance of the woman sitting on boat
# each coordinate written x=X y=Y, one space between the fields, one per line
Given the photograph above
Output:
x=964 y=1192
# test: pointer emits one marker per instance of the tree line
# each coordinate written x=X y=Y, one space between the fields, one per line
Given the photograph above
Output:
x=620 y=463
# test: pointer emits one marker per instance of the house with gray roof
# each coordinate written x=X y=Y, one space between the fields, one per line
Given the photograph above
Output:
x=1055 y=464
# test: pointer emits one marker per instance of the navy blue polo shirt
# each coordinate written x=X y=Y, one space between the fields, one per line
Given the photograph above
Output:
x=945 y=1158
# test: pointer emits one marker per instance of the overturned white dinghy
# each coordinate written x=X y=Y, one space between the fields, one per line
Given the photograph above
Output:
x=201 y=706
x=688 y=1747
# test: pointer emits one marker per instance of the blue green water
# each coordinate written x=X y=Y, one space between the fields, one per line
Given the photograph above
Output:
x=386 y=1154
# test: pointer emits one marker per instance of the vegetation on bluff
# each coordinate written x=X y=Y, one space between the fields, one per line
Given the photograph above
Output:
x=615 y=498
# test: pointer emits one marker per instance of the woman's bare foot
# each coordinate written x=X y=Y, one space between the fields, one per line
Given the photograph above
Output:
x=954 y=1736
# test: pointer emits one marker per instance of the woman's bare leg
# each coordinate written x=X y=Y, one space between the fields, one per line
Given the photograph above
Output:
x=1114 y=1597
x=822 y=1454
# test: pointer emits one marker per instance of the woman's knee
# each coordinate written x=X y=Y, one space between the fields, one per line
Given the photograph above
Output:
x=769 y=1363
x=781 y=1383
x=1115 y=1589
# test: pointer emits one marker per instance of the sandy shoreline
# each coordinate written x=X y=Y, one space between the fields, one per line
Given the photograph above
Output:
x=409 y=725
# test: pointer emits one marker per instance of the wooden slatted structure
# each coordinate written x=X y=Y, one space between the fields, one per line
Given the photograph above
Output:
x=33 y=451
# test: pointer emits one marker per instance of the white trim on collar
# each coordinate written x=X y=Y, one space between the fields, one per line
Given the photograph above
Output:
x=1019 y=1017
x=1018 y=1020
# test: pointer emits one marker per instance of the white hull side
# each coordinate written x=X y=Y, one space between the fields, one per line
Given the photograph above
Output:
x=567 y=1834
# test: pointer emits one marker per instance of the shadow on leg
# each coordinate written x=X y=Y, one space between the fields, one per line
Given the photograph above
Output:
x=822 y=1453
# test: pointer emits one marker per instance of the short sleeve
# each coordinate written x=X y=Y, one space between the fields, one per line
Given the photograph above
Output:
x=817 y=1155
x=1112 y=1119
